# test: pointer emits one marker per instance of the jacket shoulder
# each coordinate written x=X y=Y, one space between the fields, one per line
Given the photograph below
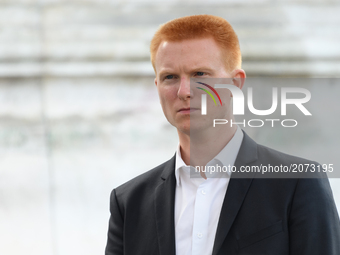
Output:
x=145 y=182
x=286 y=165
x=268 y=154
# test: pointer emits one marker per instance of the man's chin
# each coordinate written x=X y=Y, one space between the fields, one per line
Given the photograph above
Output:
x=193 y=130
x=193 y=126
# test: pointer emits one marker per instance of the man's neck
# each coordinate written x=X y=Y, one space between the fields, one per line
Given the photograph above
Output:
x=199 y=148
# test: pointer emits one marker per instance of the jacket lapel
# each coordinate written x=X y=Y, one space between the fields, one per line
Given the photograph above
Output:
x=237 y=189
x=164 y=209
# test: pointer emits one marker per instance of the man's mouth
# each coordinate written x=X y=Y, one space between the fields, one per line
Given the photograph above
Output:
x=188 y=110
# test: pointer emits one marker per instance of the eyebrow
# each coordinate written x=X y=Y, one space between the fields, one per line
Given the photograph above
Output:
x=203 y=68
x=196 y=69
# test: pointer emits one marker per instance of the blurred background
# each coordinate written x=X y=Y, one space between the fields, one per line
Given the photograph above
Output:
x=79 y=112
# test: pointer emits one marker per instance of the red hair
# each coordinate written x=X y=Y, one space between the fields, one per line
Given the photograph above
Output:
x=198 y=27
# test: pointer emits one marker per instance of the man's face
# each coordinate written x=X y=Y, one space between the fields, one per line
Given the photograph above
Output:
x=176 y=63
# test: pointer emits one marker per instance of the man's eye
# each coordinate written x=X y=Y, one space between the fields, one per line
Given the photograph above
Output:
x=169 y=77
x=200 y=73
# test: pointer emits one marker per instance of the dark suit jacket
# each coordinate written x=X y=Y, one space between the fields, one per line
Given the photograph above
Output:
x=259 y=216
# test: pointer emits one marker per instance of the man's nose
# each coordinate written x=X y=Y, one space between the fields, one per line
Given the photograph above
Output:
x=184 y=91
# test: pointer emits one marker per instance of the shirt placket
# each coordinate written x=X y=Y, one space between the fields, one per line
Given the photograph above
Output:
x=201 y=219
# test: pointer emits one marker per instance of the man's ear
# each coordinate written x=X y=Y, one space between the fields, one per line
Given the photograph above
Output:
x=239 y=77
x=156 y=82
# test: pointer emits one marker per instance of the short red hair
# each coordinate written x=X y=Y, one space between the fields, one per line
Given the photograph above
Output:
x=198 y=27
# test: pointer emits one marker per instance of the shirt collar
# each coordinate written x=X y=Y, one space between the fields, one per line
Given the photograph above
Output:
x=225 y=157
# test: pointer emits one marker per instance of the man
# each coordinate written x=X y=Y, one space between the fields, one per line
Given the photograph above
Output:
x=164 y=211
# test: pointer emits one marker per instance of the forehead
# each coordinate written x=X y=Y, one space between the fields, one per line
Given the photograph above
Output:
x=188 y=52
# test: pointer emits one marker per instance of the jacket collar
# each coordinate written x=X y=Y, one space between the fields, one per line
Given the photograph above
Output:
x=164 y=207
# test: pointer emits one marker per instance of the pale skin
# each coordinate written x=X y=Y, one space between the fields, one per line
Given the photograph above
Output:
x=176 y=63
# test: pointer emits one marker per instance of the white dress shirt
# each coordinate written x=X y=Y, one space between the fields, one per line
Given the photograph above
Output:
x=198 y=201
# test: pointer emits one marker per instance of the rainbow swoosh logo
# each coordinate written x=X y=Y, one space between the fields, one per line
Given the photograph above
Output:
x=209 y=93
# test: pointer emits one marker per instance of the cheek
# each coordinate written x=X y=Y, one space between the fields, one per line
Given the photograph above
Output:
x=167 y=95
x=225 y=96
x=165 y=102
